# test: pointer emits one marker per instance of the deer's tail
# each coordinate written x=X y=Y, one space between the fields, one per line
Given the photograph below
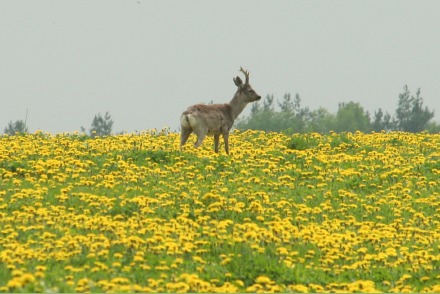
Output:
x=186 y=121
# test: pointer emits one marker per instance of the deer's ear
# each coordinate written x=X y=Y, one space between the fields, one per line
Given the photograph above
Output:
x=238 y=82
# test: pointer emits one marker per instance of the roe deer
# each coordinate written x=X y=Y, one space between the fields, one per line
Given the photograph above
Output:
x=217 y=119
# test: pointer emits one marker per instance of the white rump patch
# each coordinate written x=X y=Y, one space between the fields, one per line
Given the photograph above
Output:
x=188 y=121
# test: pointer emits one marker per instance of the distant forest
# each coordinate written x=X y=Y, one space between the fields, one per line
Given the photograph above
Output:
x=289 y=116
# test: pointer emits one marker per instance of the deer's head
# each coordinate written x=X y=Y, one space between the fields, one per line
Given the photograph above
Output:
x=244 y=90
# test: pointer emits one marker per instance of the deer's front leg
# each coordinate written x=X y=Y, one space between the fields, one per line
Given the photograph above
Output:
x=226 y=139
x=216 y=141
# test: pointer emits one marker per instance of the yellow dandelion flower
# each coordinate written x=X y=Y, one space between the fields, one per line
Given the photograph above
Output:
x=262 y=280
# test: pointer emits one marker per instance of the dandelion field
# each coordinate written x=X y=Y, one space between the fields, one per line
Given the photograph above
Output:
x=283 y=213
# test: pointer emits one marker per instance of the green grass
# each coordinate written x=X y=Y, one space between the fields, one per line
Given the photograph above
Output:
x=352 y=212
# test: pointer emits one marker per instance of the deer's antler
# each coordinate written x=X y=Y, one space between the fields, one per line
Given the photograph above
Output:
x=246 y=74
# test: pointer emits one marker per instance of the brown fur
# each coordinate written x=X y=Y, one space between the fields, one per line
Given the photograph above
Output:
x=216 y=119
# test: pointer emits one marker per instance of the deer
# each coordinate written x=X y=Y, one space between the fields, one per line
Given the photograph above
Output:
x=217 y=119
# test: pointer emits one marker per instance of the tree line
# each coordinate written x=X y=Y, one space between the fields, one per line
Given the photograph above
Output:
x=101 y=126
x=289 y=116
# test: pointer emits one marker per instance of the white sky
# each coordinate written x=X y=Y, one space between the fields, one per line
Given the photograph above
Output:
x=146 y=61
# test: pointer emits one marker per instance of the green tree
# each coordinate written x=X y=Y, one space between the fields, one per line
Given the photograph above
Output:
x=264 y=117
x=351 y=117
x=289 y=105
x=292 y=117
x=268 y=103
x=410 y=114
x=433 y=127
x=320 y=121
x=101 y=125
x=18 y=127
x=261 y=117
x=381 y=121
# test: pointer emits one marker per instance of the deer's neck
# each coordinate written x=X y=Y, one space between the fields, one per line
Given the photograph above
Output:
x=237 y=106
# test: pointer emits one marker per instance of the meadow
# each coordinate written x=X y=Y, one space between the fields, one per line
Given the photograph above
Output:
x=348 y=212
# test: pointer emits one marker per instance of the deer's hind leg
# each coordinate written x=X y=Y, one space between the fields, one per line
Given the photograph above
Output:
x=184 y=135
x=201 y=134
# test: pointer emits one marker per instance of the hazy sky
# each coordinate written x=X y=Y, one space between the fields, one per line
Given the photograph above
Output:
x=146 y=61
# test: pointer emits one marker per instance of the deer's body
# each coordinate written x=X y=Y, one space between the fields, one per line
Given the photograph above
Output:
x=216 y=119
